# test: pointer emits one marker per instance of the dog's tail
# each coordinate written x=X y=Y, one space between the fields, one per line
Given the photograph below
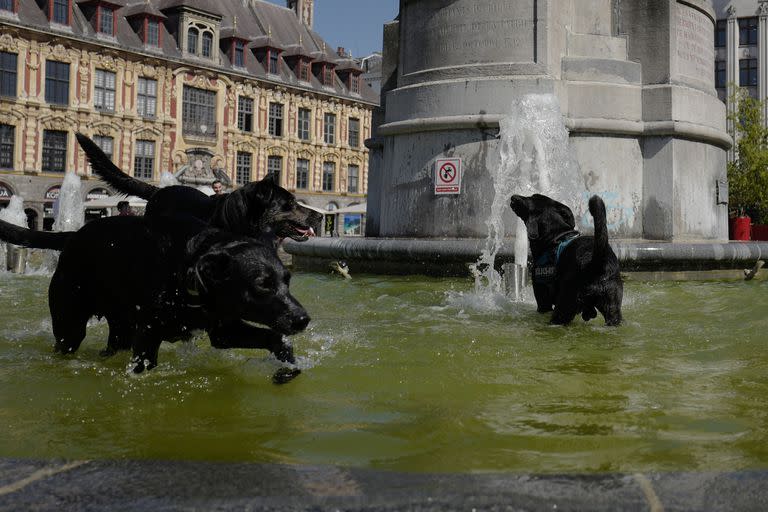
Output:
x=597 y=209
x=34 y=239
x=109 y=172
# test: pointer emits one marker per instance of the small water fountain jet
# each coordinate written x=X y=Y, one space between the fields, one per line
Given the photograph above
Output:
x=534 y=157
x=71 y=213
x=9 y=253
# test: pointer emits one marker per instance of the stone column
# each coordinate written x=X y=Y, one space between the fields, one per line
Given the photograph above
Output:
x=732 y=68
x=762 y=63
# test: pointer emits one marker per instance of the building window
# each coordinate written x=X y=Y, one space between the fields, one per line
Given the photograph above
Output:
x=146 y=98
x=329 y=128
x=245 y=114
x=7 y=139
x=192 y=35
x=302 y=129
x=354 y=133
x=721 y=33
x=304 y=70
x=107 y=144
x=61 y=12
x=747 y=72
x=327 y=75
x=353 y=179
x=302 y=174
x=56 y=82
x=329 y=173
x=276 y=119
x=207 y=44
x=153 y=33
x=144 y=161
x=275 y=167
x=104 y=91
x=243 y=171
x=274 y=63
x=199 y=112
x=106 y=20
x=6 y=5
x=354 y=84
x=748 y=31
x=239 y=59
x=54 y=151
x=720 y=73
x=8 y=74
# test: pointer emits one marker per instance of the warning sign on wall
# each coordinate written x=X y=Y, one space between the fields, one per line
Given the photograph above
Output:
x=447 y=176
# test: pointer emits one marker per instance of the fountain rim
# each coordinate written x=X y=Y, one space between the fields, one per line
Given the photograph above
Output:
x=612 y=127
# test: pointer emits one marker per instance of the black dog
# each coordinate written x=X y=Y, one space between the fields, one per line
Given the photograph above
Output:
x=573 y=273
x=260 y=209
x=160 y=279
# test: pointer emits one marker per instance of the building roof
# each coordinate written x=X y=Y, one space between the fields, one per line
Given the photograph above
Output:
x=256 y=21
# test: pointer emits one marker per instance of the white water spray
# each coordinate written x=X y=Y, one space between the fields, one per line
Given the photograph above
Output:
x=71 y=213
x=12 y=214
x=535 y=157
x=167 y=179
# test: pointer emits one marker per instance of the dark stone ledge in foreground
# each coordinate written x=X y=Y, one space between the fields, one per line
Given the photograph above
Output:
x=203 y=486
x=451 y=256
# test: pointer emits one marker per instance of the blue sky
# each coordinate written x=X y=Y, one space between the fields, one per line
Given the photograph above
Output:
x=354 y=24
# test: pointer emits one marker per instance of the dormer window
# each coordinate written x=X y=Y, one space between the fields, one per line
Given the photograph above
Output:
x=274 y=63
x=8 y=5
x=354 y=83
x=151 y=32
x=327 y=75
x=59 y=11
x=193 y=35
x=105 y=20
x=238 y=53
x=145 y=19
x=304 y=70
x=207 y=44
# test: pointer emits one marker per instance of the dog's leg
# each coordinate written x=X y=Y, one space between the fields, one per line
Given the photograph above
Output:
x=565 y=308
x=244 y=336
x=120 y=330
x=543 y=296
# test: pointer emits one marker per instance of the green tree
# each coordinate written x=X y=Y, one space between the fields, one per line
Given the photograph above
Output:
x=748 y=173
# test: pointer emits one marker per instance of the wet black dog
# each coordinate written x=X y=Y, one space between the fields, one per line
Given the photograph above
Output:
x=161 y=279
x=260 y=209
x=574 y=273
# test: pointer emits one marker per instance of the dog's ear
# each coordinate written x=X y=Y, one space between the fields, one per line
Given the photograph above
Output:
x=214 y=268
x=263 y=190
x=566 y=214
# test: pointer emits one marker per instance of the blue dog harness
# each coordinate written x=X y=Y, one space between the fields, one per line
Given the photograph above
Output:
x=545 y=267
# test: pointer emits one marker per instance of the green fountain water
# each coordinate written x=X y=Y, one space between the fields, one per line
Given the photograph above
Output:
x=406 y=374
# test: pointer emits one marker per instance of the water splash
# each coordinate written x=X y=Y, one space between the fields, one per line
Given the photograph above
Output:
x=534 y=157
x=71 y=213
x=13 y=214
x=167 y=179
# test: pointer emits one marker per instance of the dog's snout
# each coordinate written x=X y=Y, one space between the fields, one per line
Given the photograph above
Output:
x=300 y=322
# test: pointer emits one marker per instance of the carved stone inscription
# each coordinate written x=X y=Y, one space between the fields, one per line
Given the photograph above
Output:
x=695 y=51
x=440 y=33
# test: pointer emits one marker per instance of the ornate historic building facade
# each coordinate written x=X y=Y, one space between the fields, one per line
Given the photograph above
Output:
x=202 y=89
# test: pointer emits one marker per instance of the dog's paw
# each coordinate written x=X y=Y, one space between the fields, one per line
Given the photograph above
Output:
x=285 y=375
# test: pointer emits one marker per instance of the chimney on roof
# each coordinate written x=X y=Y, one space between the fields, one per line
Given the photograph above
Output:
x=304 y=9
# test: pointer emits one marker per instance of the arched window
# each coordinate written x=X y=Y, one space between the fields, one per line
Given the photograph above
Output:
x=207 y=44
x=192 y=36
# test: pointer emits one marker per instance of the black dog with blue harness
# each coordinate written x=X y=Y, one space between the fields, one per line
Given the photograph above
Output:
x=544 y=268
